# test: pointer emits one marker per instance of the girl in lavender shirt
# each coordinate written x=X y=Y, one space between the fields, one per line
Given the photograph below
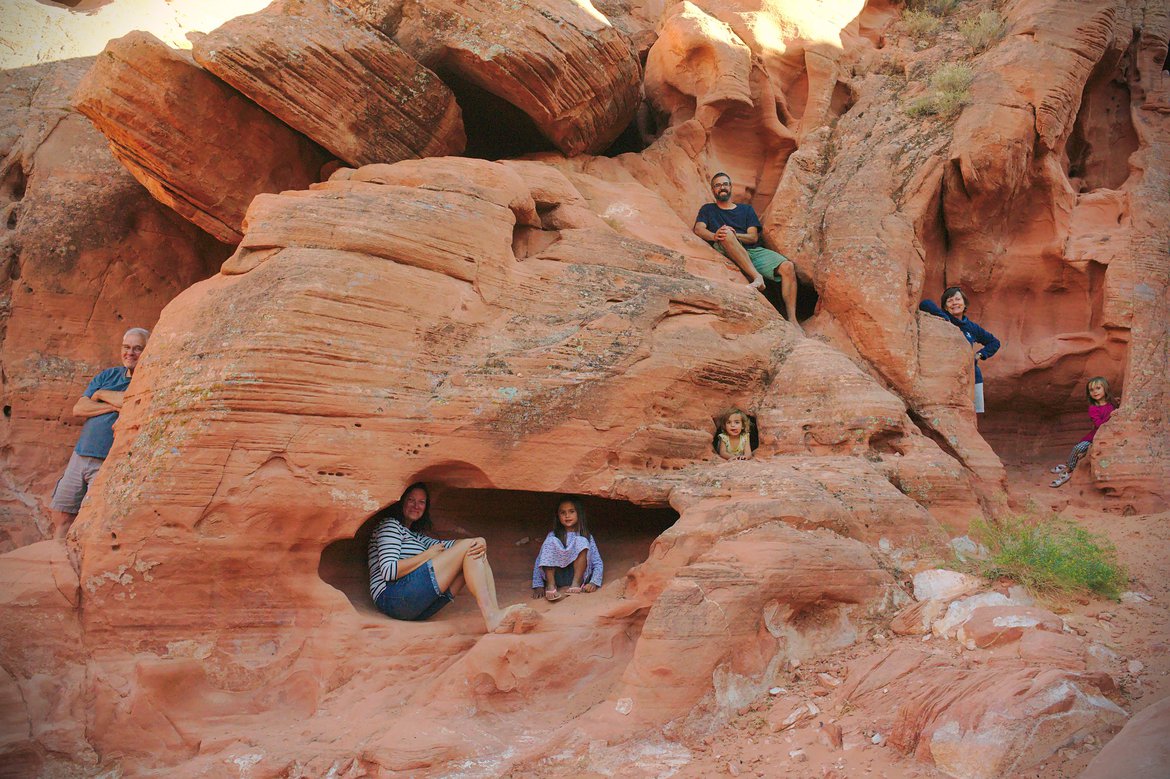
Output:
x=1101 y=407
x=568 y=557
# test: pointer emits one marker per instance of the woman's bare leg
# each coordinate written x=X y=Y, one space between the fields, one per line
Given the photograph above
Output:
x=459 y=563
x=550 y=579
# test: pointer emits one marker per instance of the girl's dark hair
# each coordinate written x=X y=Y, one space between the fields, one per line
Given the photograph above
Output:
x=423 y=524
x=582 y=524
x=949 y=293
x=1104 y=382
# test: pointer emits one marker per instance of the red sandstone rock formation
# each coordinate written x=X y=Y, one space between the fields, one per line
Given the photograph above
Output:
x=593 y=362
x=563 y=330
x=196 y=144
x=561 y=63
x=334 y=78
x=87 y=253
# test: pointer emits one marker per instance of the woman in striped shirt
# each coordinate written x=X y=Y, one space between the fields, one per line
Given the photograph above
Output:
x=412 y=575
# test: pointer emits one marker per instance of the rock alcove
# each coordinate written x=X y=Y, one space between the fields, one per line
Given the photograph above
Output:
x=514 y=523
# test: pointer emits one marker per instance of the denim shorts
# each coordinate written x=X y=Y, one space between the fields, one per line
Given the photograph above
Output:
x=415 y=596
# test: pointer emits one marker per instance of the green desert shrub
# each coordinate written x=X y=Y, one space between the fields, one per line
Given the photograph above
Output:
x=920 y=25
x=950 y=90
x=951 y=85
x=933 y=7
x=1050 y=556
x=983 y=31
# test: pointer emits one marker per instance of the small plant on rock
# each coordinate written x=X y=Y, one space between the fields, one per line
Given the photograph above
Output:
x=1050 y=556
x=920 y=25
x=951 y=84
x=933 y=7
x=983 y=31
x=950 y=90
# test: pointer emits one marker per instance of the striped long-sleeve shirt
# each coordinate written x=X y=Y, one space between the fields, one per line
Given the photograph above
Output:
x=393 y=541
x=554 y=554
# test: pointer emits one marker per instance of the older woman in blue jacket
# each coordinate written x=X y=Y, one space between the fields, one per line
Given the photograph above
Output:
x=954 y=310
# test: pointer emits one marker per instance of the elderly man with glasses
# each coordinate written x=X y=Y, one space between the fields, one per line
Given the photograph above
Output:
x=99 y=405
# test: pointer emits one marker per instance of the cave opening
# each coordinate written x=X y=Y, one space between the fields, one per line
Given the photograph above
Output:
x=1103 y=137
x=633 y=139
x=806 y=297
x=514 y=524
x=496 y=129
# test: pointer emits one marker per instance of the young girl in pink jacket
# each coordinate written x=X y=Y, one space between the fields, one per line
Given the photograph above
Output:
x=1101 y=406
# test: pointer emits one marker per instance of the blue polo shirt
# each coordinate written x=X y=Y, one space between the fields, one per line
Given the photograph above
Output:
x=97 y=435
x=739 y=218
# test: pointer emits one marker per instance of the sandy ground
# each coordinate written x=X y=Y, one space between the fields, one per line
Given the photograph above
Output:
x=747 y=746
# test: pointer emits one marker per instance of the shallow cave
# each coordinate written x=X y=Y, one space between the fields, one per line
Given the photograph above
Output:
x=1103 y=137
x=634 y=138
x=806 y=298
x=496 y=129
x=505 y=518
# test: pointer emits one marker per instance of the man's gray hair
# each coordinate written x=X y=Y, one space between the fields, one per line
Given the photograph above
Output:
x=142 y=331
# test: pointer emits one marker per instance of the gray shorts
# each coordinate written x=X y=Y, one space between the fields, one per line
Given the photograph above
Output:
x=979 y=398
x=72 y=485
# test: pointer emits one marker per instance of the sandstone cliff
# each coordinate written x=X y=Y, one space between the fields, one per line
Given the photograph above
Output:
x=536 y=318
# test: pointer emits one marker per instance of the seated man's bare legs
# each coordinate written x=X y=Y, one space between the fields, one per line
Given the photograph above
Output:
x=739 y=255
x=786 y=275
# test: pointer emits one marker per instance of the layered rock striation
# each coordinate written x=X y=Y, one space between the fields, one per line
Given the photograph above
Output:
x=550 y=324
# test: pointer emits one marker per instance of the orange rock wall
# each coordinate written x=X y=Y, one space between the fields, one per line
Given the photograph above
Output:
x=88 y=253
x=551 y=325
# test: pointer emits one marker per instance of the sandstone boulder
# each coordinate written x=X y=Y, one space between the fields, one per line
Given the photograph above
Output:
x=329 y=75
x=87 y=253
x=990 y=626
x=589 y=361
x=1140 y=750
x=197 y=145
x=985 y=722
x=562 y=63
x=941 y=584
x=44 y=679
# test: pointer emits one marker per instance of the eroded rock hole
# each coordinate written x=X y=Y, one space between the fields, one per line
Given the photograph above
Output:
x=13 y=183
x=514 y=523
x=638 y=134
x=495 y=128
x=1103 y=137
x=806 y=298
x=753 y=437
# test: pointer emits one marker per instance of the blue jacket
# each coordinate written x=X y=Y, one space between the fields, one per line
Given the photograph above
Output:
x=974 y=333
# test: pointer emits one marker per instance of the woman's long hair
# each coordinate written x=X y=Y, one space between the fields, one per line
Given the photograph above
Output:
x=582 y=528
x=423 y=524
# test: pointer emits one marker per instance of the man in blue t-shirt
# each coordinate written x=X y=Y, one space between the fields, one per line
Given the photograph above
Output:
x=99 y=405
x=734 y=229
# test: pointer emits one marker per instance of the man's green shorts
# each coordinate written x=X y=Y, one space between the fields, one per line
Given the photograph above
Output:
x=765 y=261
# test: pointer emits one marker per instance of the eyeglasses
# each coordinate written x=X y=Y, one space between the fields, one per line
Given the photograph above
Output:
x=132 y=349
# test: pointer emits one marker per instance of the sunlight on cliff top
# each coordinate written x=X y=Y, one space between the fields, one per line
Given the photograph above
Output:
x=36 y=31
